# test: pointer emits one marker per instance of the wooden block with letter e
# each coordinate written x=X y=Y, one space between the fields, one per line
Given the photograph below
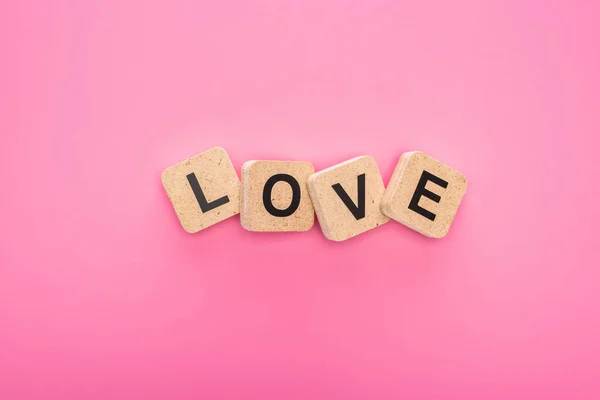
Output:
x=424 y=194
x=275 y=196
x=347 y=198
x=204 y=189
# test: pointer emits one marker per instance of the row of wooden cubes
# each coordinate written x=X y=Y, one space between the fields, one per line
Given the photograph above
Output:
x=282 y=196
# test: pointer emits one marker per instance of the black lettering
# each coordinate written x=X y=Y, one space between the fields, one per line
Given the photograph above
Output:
x=421 y=191
x=205 y=206
x=268 y=189
x=357 y=210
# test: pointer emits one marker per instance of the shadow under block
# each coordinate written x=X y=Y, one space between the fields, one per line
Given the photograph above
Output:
x=204 y=189
x=275 y=196
x=424 y=194
x=347 y=198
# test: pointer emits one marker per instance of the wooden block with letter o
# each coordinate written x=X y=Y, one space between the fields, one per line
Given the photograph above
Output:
x=275 y=197
x=347 y=198
x=204 y=189
x=424 y=194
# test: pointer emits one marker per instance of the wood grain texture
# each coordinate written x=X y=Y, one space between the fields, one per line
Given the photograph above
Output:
x=255 y=216
x=439 y=192
x=219 y=183
x=336 y=218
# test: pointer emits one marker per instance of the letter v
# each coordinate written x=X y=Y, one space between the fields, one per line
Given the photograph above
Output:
x=357 y=210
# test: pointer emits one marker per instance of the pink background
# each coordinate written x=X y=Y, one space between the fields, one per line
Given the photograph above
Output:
x=104 y=296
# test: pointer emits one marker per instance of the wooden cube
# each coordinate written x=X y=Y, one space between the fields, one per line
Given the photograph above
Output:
x=424 y=194
x=275 y=196
x=204 y=189
x=347 y=198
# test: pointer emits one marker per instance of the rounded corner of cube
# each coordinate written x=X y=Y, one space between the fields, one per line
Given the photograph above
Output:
x=189 y=229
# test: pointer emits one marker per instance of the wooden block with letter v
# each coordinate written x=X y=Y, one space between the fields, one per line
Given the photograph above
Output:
x=424 y=194
x=347 y=198
x=275 y=197
x=204 y=189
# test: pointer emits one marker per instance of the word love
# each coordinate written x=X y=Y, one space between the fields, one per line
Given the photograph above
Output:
x=282 y=196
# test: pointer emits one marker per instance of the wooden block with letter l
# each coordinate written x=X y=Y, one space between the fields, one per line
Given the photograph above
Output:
x=204 y=189
x=424 y=194
x=275 y=196
x=347 y=198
